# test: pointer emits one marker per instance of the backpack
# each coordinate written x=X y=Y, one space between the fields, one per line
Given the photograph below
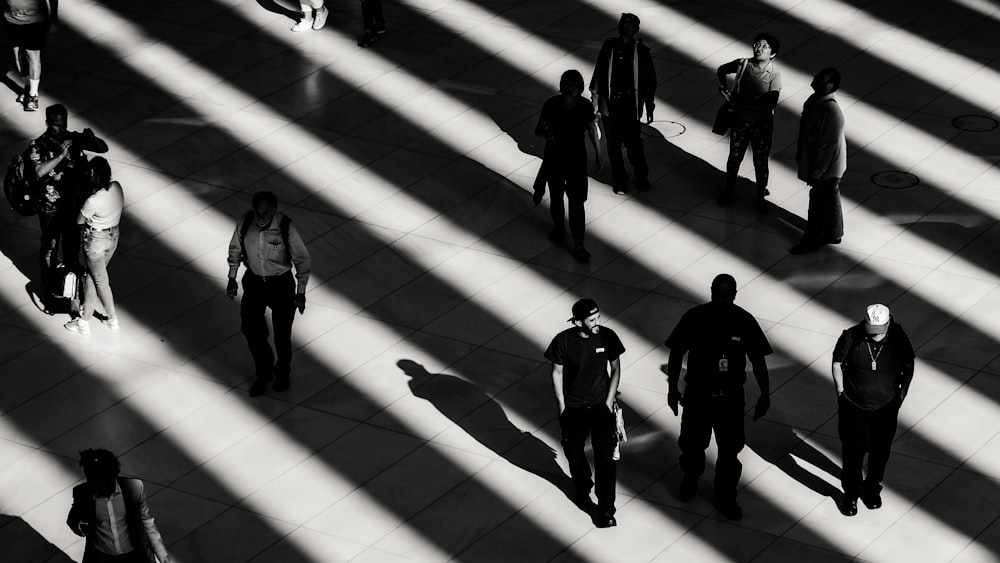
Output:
x=20 y=186
x=245 y=226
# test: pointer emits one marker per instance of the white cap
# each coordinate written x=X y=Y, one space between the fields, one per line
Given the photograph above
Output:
x=877 y=319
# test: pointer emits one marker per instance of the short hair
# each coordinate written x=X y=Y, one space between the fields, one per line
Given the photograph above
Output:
x=265 y=197
x=772 y=41
x=834 y=77
x=631 y=18
x=724 y=285
x=56 y=110
x=571 y=78
x=102 y=172
x=99 y=464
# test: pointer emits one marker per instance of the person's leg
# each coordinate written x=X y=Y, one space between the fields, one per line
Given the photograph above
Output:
x=253 y=325
x=98 y=256
x=49 y=237
x=309 y=9
x=557 y=206
x=696 y=433
x=883 y=430
x=281 y=295
x=614 y=135
x=573 y=428
x=730 y=437
x=637 y=154
x=739 y=140
x=852 y=427
x=576 y=194
x=760 y=141
x=602 y=437
x=833 y=218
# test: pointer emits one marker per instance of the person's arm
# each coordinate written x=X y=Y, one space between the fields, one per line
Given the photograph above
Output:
x=838 y=377
x=763 y=383
x=53 y=18
x=907 y=378
x=674 y=364
x=731 y=67
x=543 y=130
x=152 y=532
x=235 y=253
x=648 y=73
x=43 y=167
x=303 y=265
x=75 y=517
x=88 y=141
x=616 y=377
x=557 y=386
x=594 y=132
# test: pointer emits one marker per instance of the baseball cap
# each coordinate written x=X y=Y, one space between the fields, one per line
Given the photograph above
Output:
x=877 y=319
x=583 y=309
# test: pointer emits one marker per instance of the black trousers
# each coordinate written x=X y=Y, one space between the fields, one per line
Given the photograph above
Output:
x=723 y=414
x=60 y=243
x=575 y=189
x=622 y=129
x=865 y=432
x=826 y=216
x=278 y=294
x=576 y=423
x=371 y=13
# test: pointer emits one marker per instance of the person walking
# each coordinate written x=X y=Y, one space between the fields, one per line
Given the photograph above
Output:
x=28 y=24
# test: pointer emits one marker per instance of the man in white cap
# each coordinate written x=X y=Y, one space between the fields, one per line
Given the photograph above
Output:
x=872 y=370
x=585 y=375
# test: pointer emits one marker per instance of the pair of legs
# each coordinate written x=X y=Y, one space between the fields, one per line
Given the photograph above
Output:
x=314 y=15
x=575 y=189
x=98 y=248
x=27 y=42
x=865 y=432
x=825 y=221
x=278 y=294
x=757 y=135
x=60 y=243
x=622 y=129
x=373 y=21
x=576 y=423
x=703 y=414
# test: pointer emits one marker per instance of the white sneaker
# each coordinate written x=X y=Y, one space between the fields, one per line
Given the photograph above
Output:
x=110 y=323
x=78 y=325
x=305 y=24
x=319 y=20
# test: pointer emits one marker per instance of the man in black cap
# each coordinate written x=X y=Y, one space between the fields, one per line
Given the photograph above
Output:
x=623 y=84
x=872 y=370
x=585 y=376
x=718 y=337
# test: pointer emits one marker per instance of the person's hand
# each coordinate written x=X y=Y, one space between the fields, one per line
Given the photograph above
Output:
x=65 y=145
x=673 y=399
x=82 y=527
x=763 y=404
x=300 y=302
x=232 y=288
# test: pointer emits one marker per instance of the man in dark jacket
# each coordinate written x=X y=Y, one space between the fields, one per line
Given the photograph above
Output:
x=872 y=370
x=98 y=507
x=624 y=83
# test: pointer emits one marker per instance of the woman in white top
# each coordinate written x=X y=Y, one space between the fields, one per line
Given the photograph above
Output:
x=99 y=217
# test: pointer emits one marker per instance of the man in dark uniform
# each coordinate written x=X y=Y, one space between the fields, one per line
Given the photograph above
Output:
x=269 y=244
x=624 y=82
x=585 y=376
x=718 y=337
x=872 y=370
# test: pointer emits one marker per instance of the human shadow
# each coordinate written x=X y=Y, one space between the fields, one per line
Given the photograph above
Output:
x=779 y=445
x=481 y=417
x=23 y=543
x=280 y=8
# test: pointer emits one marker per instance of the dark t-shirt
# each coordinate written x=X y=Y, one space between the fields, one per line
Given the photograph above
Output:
x=873 y=388
x=718 y=337
x=585 y=364
x=566 y=152
x=622 y=67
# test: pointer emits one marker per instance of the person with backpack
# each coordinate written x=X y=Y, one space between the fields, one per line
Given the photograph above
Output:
x=60 y=166
x=269 y=245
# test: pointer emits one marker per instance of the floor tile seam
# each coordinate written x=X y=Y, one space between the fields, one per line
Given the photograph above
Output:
x=8 y=410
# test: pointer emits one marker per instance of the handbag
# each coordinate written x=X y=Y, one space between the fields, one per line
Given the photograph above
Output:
x=724 y=115
x=620 y=435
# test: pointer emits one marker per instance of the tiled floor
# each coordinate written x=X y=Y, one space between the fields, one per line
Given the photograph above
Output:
x=420 y=425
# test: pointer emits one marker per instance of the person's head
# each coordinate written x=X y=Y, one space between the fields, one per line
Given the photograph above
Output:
x=877 y=321
x=586 y=316
x=724 y=289
x=765 y=46
x=628 y=25
x=826 y=81
x=100 y=172
x=100 y=467
x=264 y=206
x=56 y=117
x=571 y=83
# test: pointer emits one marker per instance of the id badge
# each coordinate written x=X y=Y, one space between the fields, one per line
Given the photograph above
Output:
x=723 y=365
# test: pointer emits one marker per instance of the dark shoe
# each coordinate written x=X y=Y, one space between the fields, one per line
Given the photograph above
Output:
x=729 y=509
x=367 y=38
x=872 y=502
x=689 y=488
x=379 y=28
x=619 y=189
x=761 y=206
x=802 y=248
x=581 y=255
x=606 y=521
x=31 y=103
x=556 y=235
x=281 y=383
x=833 y=241
x=725 y=198
x=850 y=507
x=258 y=387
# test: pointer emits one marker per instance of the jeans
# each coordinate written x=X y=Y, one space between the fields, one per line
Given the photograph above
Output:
x=278 y=293
x=865 y=432
x=599 y=422
x=98 y=248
